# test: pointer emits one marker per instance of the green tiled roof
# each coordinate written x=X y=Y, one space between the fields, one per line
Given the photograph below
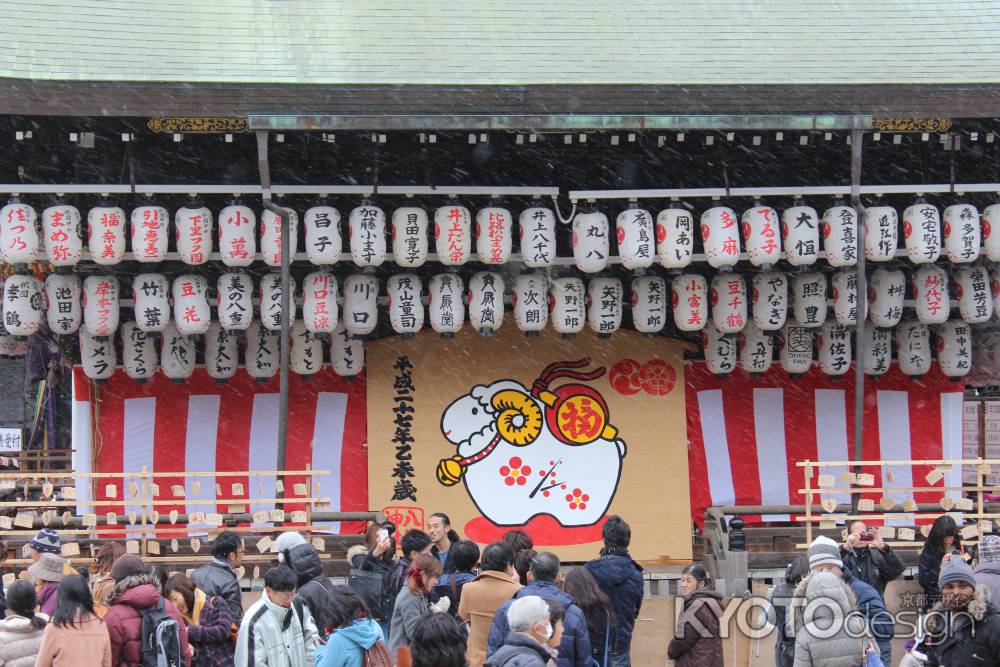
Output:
x=502 y=41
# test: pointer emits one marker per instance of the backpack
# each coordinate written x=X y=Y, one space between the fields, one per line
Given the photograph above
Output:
x=161 y=638
x=378 y=655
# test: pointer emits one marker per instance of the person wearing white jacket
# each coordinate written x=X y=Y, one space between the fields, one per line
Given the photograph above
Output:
x=277 y=630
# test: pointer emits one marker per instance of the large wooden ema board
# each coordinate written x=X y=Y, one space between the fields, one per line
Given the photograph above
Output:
x=454 y=426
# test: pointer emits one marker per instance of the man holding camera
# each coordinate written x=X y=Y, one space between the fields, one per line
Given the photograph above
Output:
x=869 y=558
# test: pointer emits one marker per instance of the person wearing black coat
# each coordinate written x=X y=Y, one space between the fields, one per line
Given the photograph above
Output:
x=943 y=539
x=872 y=561
x=620 y=578
x=781 y=599
x=313 y=588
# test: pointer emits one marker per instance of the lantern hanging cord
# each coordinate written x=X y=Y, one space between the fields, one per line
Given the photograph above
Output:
x=572 y=212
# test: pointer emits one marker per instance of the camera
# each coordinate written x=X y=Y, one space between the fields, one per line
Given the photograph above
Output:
x=867 y=536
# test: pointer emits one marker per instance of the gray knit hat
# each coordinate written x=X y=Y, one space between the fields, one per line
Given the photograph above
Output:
x=46 y=542
x=956 y=569
x=989 y=549
x=824 y=551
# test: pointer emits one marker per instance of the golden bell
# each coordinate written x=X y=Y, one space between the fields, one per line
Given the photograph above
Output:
x=450 y=471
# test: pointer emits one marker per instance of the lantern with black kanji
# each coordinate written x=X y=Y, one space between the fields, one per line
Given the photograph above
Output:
x=649 y=304
x=954 y=347
x=635 y=235
x=922 y=232
x=409 y=236
x=886 y=291
x=23 y=305
x=881 y=233
x=234 y=297
x=591 y=245
x=63 y=308
x=877 y=351
x=991 y=241
x=261 y=356
x=675 y=237
x=324 y=245
x=962 y=233
x=270 y=301
x=537 y=232
x=795 y=349
x=809 y=299
x=568 y=303
x=770 y=300
x=445 y=303
x=306 y=354
x=531 y=311
x=720 y=350
x=139 y=358
x=98 y=356
x=406 y=310
x=756 y=349
x=834 y=348
x=840 y=235
x=360 y=304
x=800 y=234
x=222 y=354
x=975 y=303
x=177 y=355
x=486 y=301
x=151 y=301
x=913 y=348
x=347 y=353
x=845 y=297
x=604 y=305
x=366 y=233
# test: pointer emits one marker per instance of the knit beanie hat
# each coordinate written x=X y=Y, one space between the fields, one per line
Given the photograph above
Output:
x=127 y=565
x=46 y=542
x=956 y=569
x=287 y=542
x=989 y=549
x=824 y=551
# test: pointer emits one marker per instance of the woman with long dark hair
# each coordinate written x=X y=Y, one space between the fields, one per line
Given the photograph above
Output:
x=580 y=585
x=352 y=631
x=781 y=599
x=76 y=636
x=943 y=541
x=438 y=641
x=101 y=583
x=21 y=631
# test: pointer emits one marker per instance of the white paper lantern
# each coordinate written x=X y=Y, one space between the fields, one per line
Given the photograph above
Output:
x=975 y=302
x=445 y=303
x=323 y=242
x=19 y=243
x=529 y=298
x=795 y=349
x=809 y=299
x=151 y=301
x=720 y=235
x=770 y=300
x=800 y=234
x=930 y=287
x=729 y=302
x=635 y=235
x=604 y=305
x=913 y=348
x=840 y=235
x=834 y=343
x=962 y=233
x=881 y=233
x=270 y=301
x=63 y=239
x=886 y=290
x=689 y=297
x=347 y=353
x=237 y=235
x=486 y=302
x=193 y=230
x=98 y=356
x=100 y=305
x=222 y=354
x=177 y=355
x=954 y=345
x=452 y=234
x=306 y=354
x=845 y=298
x=878 y=350
x=591 y=245
x=756 y=349
x=150 y=233
x=106 y=234
x=922 y=232
x=406 y=310
x=493 y=234
x=361 y=304
x=23 y=305
x=991 y=219
x=761 y=235
x=568 y=302
x=537 y=230
x=720 y=350
x=649 y=304
x=139 y=357
x=262 y=353
x=675 y=237
x=319 y=302
x=366 y=231
x=409 y=236
x=63 y=308
x=270 y=236
x=234 y=293
x=192 y=314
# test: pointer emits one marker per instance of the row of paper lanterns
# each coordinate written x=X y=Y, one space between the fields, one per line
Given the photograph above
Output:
x=765 y=236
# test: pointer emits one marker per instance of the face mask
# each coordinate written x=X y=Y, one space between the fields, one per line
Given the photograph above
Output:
x=548 y=631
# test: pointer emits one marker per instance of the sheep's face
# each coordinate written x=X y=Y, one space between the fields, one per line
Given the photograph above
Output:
x=469 y=422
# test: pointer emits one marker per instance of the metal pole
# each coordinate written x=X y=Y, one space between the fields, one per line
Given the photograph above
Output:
x=282 y=213
x=857 y=136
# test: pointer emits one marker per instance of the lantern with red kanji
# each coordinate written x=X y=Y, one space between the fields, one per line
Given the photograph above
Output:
x=306 y=354
x=800 y=234
x=756 y=350
x=604 y=305
x=886 y=291
x=324 y=245
x=23 y=305
x=319 y=302
x=591 y=245
x=930 y=288
x=193 y=229
x=991 y=241
x=675 y=237
x=962 y=233
x=222 y=355
x=720 y=350
x=98 y=356
x=922 y=232
x=877 y=351
x=529 y=298
x=191 y=311
x=366 y=234
x=720 y=236
x=139 y=358
x=100 y=305
x=347 y=353
x=486 y=301
x=845 y=297
x=795 y=349
x=537 y=230
x=234 y=298
x=406 y=310
x=494 y=234
x=237 y=235
x=636 y=240
x=106 y=234
x=261 y=356
x=270 y=236
x=63 y=308
x=19 y=243
x=453 y=234
x=834 y=348
x=409 y=236
x=840 y=235
x=762 y=235
x=809 y=299
x=568 y=303
x=151 y=301
x=360 y=304
x=770 y=300
x=913 y=348
x=177 y=355
x=954 y=347
x=881 y=233
x=61 y=231
x=649 y=304
x=689 y=297
x=150 y=233
x=729 y=302
x=270 y=301
x=975 y=302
